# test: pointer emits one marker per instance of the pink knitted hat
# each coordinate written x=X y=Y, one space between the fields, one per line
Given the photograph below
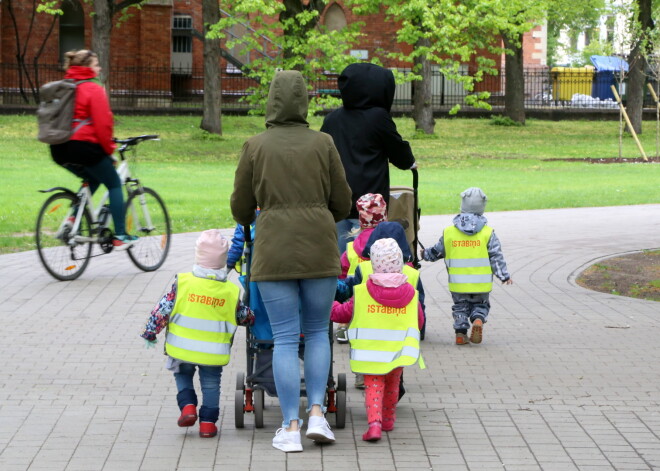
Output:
x=372 y=210
x=211 y=250
x=386 y=256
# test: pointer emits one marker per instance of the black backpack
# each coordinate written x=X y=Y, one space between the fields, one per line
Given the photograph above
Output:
x=55 y=112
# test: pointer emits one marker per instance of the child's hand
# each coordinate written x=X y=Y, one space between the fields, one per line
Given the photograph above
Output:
x=421 y=254
x=508 y=282
x=150 y=344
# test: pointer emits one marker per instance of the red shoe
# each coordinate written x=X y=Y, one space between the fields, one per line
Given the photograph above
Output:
x=388 y=425
x=374 y=433
x=188 y=416
x=207 y=430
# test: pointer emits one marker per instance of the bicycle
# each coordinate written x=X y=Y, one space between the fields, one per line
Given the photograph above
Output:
x=69 y=225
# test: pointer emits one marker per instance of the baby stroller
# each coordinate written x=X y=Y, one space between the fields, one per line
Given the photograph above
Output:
x=404 y=208
x=253 y=385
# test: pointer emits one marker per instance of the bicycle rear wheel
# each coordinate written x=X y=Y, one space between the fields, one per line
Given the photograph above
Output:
x=60 y=255
x=147 y=218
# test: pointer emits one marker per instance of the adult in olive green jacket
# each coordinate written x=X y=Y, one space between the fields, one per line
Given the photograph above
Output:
x=296 y=177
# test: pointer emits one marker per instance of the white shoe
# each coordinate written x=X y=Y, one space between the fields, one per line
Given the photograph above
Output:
x=287 y=441
x=318 y=430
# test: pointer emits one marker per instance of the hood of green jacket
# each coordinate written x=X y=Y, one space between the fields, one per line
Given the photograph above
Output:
x=287 y=100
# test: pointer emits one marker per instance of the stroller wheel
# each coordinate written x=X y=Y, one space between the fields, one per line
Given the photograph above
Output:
x=239 y=401
x=340 y=415
x=258 y=398
x=341 y=382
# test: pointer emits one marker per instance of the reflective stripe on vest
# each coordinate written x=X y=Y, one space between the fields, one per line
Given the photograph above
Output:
x=203 y=321
x=382 y=338
x=467 y=262
x=353 y=259
x=413 y=275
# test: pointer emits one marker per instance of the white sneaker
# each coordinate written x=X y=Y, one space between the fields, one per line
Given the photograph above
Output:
x=287 y=441
x=318 y=430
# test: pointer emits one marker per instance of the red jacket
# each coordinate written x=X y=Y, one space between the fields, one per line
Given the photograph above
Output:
x=92 y=102
x=394 y=297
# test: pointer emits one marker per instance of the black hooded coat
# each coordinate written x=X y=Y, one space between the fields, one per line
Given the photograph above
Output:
x=364 y=133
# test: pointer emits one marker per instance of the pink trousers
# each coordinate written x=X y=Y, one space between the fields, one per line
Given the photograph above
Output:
x=381 y=395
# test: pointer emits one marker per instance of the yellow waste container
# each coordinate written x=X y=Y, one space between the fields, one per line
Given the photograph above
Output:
x=567 y=81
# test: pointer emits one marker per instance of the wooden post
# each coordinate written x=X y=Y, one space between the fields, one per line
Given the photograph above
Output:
x=657 y=115
x=630 y=127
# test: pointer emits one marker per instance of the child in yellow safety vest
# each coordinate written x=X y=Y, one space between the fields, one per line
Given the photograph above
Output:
x=201 y=313
x=384 y=331
x=372 y=210
x=473 y=254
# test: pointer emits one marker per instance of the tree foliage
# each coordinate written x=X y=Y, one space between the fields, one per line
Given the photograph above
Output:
x=286 y=35
x=572 y=16
x=444 y=32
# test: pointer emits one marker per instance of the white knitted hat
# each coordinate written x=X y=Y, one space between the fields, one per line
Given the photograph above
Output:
x=211 y=250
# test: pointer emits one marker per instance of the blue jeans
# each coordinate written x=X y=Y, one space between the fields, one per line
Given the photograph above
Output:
x=104 y=172
x=344 y=227
x=209 y=379
x=295 y=307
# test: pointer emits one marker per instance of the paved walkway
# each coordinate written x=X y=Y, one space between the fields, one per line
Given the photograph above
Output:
x=566 y=379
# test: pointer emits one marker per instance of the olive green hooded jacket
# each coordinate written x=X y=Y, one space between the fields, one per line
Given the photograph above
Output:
x=295 y=176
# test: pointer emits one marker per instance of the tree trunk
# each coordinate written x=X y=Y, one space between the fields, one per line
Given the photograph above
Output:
x=514 y=91
x=422 y=93
x=101 y=30
x=636 y=76
x=212 y=119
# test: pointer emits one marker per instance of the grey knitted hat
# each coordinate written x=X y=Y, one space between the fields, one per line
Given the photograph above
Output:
x=473 y=201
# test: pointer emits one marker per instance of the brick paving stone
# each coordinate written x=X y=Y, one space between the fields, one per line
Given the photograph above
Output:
x=557 y=384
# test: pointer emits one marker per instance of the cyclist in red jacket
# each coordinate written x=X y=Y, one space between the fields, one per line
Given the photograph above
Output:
x=88 y=153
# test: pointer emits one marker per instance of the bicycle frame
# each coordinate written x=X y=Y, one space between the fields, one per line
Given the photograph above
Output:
x=86 y=201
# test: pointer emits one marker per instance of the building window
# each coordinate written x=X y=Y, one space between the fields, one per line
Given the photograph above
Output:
x=182 y=43
x=72 y=27
x=335 y=19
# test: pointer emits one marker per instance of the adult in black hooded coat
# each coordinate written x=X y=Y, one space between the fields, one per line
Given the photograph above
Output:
x=365 y=135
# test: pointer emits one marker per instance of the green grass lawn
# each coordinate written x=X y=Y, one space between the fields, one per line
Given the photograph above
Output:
x=193 y=171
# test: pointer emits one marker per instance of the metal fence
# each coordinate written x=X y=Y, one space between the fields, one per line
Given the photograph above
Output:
x=169 y=89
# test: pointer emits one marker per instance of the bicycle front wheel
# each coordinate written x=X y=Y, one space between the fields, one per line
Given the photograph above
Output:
x=60 y=253
x=147 y=218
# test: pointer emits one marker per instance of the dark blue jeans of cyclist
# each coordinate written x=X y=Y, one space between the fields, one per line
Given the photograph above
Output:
x=88 y=161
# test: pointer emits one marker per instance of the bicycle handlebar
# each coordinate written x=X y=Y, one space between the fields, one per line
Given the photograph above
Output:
x=133 y=141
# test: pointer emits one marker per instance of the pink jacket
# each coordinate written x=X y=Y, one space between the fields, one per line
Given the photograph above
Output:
x=358 y=244
x=393 y=297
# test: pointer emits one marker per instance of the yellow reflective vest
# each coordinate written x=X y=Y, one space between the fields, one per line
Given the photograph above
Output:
x=467 y=261
x=382 y=338
x=203 y=321
x=353 y=259
x=367 y=269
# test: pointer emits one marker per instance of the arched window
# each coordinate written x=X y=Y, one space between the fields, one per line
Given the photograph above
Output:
x=72 y=27
x=335 y=19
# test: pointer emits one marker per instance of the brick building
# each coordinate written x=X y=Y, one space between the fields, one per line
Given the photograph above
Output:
x=163 y=38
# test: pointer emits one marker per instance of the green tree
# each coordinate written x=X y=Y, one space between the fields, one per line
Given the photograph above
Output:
x=642 y=28
x=103 y=14
x=572 y=16
x=286 y=35
x=513 y=19
x=445 y=33
x=102 y=23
